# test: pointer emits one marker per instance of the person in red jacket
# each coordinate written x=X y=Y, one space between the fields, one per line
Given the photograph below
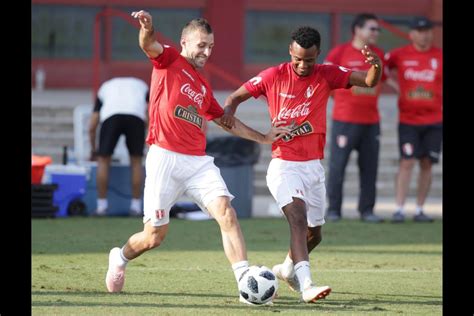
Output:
x=356 y=123
x=419 y=68
x=297 y=93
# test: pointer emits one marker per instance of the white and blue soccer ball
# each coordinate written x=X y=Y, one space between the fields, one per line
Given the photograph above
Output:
x=258 y=285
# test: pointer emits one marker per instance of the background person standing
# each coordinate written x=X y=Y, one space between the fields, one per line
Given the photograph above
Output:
x=121 y=109
x=356 y=123
x=419 y=68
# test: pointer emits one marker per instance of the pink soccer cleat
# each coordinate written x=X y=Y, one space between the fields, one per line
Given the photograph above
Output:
x=115 y=277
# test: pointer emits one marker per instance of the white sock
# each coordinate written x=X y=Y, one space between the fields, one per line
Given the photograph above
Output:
x=239 y=268
x=136 y=205
x=419 y=209
x=400 y=209
x=287 y=267
x=102 y=205
x=121 y=260
x=303 y=274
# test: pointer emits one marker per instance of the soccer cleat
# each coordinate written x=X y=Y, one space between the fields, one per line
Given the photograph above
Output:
x=422 y=218
x=115 y=277
x=333 y=216
x=292 y=281
x=398 y=217
x=313 y=293
x=243 y=300
x=371 y=218
x=99 y=213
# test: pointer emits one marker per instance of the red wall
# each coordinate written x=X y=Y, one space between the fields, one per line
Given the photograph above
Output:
x=227 y=20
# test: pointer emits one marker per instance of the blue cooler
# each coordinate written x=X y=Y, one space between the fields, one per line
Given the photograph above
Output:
x=71 y=181
x=119 y=193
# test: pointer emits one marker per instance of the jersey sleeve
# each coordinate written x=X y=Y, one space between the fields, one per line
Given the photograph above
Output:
x=166 y=58
x=260 y=84
x=337 y=76
x=214 y=111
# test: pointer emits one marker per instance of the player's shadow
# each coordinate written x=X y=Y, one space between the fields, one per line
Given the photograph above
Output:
x=126 y=293
x=282 y=303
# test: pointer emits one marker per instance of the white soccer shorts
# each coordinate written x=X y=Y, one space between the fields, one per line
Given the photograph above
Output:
x=170 y=175
x=299 y=179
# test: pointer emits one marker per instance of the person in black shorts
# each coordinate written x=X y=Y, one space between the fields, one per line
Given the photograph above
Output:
x=120 y=107
x=418 y=68
x=421 y=142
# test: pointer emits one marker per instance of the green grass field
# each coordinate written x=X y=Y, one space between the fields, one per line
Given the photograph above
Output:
x=377 y=269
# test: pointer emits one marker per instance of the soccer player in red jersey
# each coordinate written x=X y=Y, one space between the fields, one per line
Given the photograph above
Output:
x=176 y=164
x=356 y=123
x=419 y=68
x=297 y=93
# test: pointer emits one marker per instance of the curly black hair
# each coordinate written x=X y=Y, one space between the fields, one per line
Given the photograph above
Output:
x=306 y=37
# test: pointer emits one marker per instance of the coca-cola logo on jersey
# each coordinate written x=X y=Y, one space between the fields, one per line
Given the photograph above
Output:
x=299 y=110
x=426 y=75
x=192 y=94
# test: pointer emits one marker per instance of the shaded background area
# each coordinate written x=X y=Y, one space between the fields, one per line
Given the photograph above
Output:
x=249 y=35
x=80 y=43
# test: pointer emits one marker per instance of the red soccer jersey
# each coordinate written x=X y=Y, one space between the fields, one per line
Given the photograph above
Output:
x=179 y=100
x=301 y=102
x=358 y=104
x=420 y=77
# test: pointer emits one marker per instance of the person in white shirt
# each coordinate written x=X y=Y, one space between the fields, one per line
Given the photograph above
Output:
x=120 y=108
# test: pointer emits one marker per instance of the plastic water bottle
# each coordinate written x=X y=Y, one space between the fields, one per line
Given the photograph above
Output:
x=71 y=156
x=40 y=77
x=65 y=155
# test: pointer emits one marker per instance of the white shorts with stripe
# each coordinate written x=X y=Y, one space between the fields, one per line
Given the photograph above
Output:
x=170 y=175
x=299 y=179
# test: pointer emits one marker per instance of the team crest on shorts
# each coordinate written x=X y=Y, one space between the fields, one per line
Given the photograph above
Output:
x=341 y=141
x=300 y=192
x=160 y=214
x=408 y=149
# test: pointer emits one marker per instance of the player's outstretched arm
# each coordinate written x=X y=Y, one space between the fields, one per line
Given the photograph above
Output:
x=244 y=131
x=231 y=103
x=146 y=36
x=372 y=76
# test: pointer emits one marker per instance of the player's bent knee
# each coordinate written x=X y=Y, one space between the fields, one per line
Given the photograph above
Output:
x=153 y=243
x=297 y=218
x=228 y=219
x=317 y=240
x=154 y=240
x=299 y=222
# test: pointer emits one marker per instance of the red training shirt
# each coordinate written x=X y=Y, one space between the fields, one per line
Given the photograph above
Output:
x=420 y=77
x=179 y=100
x=301 y=102
x=359 y=104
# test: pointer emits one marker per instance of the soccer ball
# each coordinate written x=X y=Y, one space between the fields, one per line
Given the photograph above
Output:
x=258 y=285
